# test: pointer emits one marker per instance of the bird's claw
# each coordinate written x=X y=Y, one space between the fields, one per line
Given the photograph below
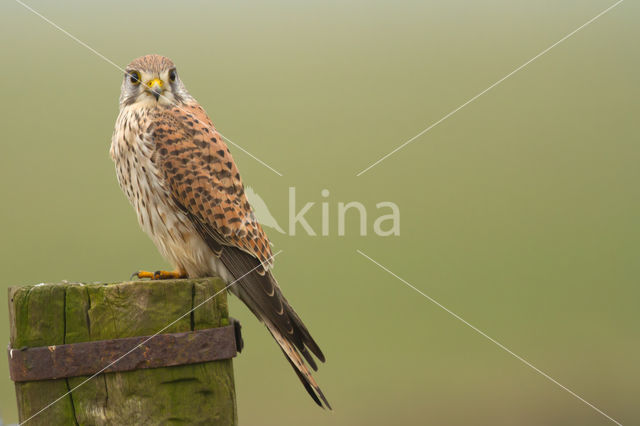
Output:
x=143 y=274
x=159 y=275
x=169 y=275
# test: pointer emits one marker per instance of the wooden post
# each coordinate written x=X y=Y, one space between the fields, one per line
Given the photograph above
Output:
x=55 y=314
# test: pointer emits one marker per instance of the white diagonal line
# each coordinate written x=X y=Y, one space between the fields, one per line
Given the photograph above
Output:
x=151 y=337
x=482 y=333
x=82 y=43
x=71 y=36
x=488 y=88
x=249 y=154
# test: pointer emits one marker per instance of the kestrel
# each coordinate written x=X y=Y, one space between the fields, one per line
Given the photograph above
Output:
x=179 y=175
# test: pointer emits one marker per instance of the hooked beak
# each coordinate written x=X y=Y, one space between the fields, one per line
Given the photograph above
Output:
x=155 y=86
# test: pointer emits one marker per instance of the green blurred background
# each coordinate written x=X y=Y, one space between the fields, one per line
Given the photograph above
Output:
x=519 y=213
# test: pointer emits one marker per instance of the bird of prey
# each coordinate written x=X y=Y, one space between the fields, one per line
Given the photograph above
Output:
x=179 y=175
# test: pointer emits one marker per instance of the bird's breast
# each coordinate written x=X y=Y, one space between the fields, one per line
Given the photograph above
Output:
x=132 y=150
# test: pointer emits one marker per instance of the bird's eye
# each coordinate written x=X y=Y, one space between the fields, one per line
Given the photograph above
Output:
x=134 y=77
x=173 y=75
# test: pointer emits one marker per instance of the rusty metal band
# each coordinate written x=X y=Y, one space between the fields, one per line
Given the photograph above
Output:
x=87 y=358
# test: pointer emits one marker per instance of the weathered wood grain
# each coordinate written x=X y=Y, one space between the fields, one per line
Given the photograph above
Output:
x=53 y=314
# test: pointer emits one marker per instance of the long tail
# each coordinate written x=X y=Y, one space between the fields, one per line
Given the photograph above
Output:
x=300 y=368
x=261 y=293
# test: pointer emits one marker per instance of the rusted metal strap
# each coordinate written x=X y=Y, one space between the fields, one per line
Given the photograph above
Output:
x=87 y=358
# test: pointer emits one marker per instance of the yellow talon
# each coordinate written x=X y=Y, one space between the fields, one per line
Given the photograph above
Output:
x=142 y=274
x=160 y=275
x=168 y=275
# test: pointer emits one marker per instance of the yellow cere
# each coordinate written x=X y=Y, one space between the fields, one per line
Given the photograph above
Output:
x=155 y=81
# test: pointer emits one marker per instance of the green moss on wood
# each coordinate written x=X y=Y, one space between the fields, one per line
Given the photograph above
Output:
x=37 y=319
x=70 y=313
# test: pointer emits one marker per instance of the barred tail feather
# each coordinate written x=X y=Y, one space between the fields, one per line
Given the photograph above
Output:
x=300 y=368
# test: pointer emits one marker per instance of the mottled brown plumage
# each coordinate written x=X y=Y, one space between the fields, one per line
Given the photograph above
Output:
x=179 y=175
x=204 y=179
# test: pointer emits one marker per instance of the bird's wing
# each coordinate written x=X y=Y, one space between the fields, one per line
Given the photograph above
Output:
x=199 y=169
x=203 y=181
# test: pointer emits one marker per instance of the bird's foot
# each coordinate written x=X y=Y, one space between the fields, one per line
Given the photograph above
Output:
x=160 y=275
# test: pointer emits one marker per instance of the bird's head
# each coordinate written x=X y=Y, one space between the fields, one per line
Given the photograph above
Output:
x=151 y=80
